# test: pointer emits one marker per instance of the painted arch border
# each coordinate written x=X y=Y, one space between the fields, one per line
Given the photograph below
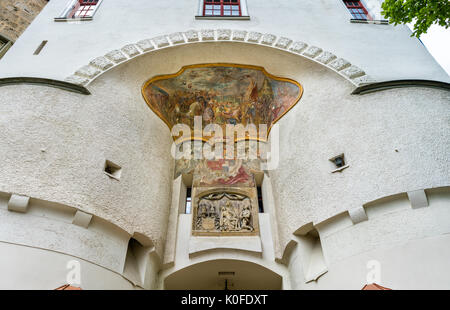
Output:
x=223 y=64
x=96 y=67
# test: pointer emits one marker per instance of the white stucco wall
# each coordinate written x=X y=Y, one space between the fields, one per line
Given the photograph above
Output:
x=53 y=145
x=28 y=268
x=384 y=52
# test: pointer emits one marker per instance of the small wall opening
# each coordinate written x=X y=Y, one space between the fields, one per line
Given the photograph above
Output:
x=113 y=170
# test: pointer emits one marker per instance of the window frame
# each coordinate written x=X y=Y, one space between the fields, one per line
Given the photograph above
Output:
x=5 y=45
x=360 y=6
x=242 y=10
x=376 y=18
x=71 y=9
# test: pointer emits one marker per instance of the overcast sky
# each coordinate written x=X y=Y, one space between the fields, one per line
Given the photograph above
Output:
x=437 y=41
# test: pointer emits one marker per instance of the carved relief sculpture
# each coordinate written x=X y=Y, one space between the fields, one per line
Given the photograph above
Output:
x=224 y=213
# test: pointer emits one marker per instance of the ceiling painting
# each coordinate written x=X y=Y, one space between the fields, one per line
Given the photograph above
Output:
x=221 y=94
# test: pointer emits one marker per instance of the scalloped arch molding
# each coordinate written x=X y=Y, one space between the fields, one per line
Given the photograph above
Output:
x=99 y=65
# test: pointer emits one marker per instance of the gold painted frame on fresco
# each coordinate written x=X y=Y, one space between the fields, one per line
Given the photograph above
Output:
x=262 y=69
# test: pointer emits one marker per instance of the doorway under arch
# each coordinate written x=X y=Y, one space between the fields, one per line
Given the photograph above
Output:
x=223 y=274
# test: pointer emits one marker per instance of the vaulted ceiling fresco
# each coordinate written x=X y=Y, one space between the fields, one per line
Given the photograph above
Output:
x=221 y=94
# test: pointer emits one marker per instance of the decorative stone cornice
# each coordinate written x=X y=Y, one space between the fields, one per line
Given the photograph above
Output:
x=101 y=64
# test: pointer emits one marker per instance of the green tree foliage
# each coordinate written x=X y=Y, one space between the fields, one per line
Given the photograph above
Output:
x=423 y=13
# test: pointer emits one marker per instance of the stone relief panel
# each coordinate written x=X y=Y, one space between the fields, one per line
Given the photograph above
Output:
x=221 y=213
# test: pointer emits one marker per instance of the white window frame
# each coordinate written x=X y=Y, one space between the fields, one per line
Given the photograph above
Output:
x=244 y=12
x=63 y=16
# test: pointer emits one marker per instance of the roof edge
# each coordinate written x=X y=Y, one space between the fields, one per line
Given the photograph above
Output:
x=379 y=86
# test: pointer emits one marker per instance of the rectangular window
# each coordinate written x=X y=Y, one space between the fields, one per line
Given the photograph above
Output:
x=188 y=200
x=260 y=200
x=222 y=8
x=357 y=9
x=80 y=9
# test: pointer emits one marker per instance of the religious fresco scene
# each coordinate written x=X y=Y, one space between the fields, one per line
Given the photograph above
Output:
x=224 y=190
x=221 y=94
x=225 y=213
